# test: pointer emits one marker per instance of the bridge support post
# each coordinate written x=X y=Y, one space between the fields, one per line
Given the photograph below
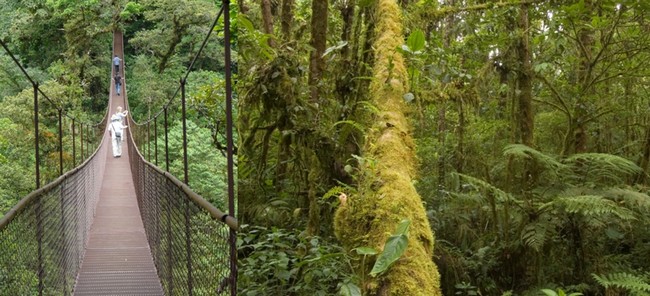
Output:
x=229 y=154
x=155 y=139
x=81 y=134
x=166 y=143
x=148 y=140
x=188 y=234
x=170 y=238
x=185 y=174
x=60 y=143
x=37 y=208
x=74 y=146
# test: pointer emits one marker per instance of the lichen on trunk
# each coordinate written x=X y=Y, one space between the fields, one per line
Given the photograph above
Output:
x=386 y=193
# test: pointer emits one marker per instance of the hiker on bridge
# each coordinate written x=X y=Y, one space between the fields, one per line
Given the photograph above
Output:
x=116 y=130
x=118 y=83
x=116 y=63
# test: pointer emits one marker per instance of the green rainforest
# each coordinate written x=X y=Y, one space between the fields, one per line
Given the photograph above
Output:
x=384 y=147
x=444 y=147
x=66 y=46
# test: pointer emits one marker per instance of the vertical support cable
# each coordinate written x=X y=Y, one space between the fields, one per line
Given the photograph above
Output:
x=37 y=208
x=155 y=139
x=81 y=134
x=170 y=238
x=229 y=154
x=166 y=143
x=64 y=272
x=37 y=155
x=60 y=143
x=185 y=174
x=74 y=146
x=61 y=194
x=188 y=242
x=148 y=140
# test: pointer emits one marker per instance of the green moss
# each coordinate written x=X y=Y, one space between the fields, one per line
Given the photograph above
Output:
x=386 y=192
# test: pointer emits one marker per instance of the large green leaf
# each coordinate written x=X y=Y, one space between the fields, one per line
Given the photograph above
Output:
x=415 y=41
x=393 y=249
x=349 y=289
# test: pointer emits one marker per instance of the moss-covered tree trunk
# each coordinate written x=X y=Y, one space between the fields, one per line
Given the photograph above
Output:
x=316 y=67
x=287 y=18
x=386 y=192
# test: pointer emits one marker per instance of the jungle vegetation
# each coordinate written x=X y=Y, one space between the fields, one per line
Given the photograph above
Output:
x=67 y=47
x=444 y=147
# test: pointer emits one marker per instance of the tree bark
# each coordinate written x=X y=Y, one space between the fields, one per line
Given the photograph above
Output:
x=316 y=67
x=584 y=76
x=287 y=18
x=524 y=80
x=386 y=194
x=318 y=42
x=267 y=20
x=442 y=112
x=347 y=13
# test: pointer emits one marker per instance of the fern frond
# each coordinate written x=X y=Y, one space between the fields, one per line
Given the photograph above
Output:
x=602 y=165
x=630 y=282
x=534 y=235
x=334 y=191
x=630 y=198
x=523 y=151
x=499 y=194
x=351 y=123
x=593 y=206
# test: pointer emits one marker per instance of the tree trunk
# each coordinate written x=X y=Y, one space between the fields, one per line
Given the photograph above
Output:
x=442 y=110
x=645 y=158
x=386 y=191
x=316 y=67
x=287 y=18
x=524 y=80
x=179 y=31
x=347 y=13
x=267 y=20
x=584 y=76
x=318 y=42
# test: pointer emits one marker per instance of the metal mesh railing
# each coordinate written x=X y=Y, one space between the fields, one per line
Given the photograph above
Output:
x=188 y=240
x=192 y=242
x=42 y=238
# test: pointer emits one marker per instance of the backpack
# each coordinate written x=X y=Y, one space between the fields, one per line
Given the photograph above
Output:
x=118 y=134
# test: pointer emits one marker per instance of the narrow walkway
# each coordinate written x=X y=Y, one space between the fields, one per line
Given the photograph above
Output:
x=117 y=260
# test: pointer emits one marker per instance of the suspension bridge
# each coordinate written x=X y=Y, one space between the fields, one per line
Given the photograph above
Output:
x=120 y=226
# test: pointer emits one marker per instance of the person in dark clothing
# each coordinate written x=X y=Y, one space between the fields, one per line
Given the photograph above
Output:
x=118 y=83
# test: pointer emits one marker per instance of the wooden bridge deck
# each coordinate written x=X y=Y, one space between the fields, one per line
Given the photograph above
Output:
x=118 y=260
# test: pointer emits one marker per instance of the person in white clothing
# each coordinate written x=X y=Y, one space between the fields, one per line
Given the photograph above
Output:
x=116 y=129
x=121 y=114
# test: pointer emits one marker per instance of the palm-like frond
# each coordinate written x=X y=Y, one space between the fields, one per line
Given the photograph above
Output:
x=592 y=206
x=634 y=284
x=534 y=235
x=601 y=166
x=525 y=152
x=629 y=198
x=499 y=194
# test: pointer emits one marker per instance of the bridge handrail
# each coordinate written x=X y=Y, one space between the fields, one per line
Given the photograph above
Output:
x=195 y=197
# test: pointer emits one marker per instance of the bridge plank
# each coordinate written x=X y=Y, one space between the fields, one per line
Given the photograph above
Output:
x=118 y=260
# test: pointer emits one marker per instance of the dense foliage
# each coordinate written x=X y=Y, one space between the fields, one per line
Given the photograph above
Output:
x=531 y=125
x=65 y=47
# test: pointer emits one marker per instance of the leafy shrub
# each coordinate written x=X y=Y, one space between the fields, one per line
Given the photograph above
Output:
x=285 y=262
